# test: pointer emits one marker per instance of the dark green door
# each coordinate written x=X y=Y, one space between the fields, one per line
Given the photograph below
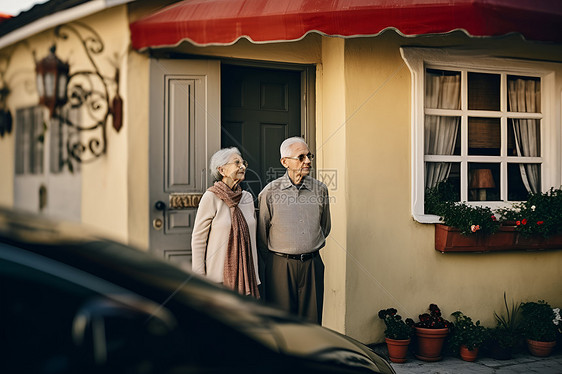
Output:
x=260 y=108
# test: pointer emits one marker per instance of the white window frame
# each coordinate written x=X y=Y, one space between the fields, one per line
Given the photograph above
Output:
x=417 y=59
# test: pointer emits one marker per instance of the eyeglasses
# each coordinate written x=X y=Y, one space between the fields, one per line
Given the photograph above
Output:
x=239 y=163
x=301 y=157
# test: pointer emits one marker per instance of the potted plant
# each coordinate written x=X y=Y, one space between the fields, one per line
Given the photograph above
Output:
x=539 y=216
x=539 y=328
x=431 y=331
x=470 y=220
x=398 y=334
x=506 y=336
x=466 y=336
x=532 y=224
x=464 y=227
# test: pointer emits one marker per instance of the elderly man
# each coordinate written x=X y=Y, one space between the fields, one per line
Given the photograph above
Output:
x=294 y=221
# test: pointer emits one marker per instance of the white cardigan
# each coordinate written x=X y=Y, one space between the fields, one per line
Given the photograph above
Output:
x=209 y=240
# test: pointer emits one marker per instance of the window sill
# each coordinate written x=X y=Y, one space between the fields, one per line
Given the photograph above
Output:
x=448 y=239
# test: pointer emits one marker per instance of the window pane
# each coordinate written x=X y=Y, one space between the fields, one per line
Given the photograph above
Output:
x=60 y=134
x=483 y=182
x=22 y=141
x=37 y=141
x=56 y=146
x=442 y=89
x=524 y=94
x=483 y=91
x=442 y=135
x=524 y=137
x=29 y=141
x=523 y=179
x=484 y=136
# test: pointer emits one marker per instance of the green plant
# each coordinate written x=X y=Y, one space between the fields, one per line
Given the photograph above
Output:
x=433 y=319
x=541 y=214
x=465 y=332
x=469 y=219
x=511 y=321
x=507 y=333
x=538 y=321
x=502 y=338
x=443 y=192
x=396 y=327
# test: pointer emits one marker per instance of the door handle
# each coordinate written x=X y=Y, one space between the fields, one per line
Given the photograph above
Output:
x=158 y=223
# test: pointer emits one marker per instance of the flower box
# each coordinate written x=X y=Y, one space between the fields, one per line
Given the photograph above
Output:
x=449 y=239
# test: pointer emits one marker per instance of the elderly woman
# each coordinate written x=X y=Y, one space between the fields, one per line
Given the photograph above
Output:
x=223 y=241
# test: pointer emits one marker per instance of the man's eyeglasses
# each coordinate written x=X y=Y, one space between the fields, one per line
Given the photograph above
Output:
x=239 y=163
x=301 y=157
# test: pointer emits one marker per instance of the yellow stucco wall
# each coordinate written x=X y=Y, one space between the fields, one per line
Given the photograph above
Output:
x=137 y=114
x=391 y=258
x=104 y=181
x=377 y=256
x=378 y=142
x=105 y=184
x=330 y=146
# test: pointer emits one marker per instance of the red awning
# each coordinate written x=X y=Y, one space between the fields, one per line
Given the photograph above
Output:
x=223 y=22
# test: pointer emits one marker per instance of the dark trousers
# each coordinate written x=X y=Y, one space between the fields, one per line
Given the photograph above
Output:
x=296 y=286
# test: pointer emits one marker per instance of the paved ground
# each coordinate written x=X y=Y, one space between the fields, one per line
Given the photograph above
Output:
x=521 y=363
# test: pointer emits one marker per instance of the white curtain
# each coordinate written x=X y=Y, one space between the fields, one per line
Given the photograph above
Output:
x=524 y=96
x=442 y=92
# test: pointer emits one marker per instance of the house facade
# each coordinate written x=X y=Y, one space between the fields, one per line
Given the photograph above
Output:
x=387 y=114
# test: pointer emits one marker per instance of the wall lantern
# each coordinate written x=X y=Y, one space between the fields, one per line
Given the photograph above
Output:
x=86 y=90
x=52 y=78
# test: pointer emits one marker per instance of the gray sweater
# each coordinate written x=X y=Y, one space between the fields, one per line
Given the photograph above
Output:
x=294 y=220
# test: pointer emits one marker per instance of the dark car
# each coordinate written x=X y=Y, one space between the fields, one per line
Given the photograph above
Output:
x=71 y=302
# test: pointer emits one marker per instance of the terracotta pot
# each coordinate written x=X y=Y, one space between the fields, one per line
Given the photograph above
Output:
x=430 y=343
x=540 y=349
x=467 y=354
x=397 y=349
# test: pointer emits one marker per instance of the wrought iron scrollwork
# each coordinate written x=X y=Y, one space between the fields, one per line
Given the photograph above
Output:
x=87 y=90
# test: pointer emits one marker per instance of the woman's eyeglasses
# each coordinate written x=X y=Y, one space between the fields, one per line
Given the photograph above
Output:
x=302 y=157
x=239 y=163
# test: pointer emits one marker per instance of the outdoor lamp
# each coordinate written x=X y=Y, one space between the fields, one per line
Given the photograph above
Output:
x=481 y=180
x=52 y=78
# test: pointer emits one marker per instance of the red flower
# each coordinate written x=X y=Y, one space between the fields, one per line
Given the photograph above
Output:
x=540 y=222
x=518 y=223
x=493 y=217
x=524 y=221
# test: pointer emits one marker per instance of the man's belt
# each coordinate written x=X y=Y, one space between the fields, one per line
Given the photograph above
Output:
x=303 y=256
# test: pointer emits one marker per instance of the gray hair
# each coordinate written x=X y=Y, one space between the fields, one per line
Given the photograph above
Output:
x=288 y=143
x=221 y=158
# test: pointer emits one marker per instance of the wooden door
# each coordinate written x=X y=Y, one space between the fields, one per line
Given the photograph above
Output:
x=184 y=133
x=261 y=107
